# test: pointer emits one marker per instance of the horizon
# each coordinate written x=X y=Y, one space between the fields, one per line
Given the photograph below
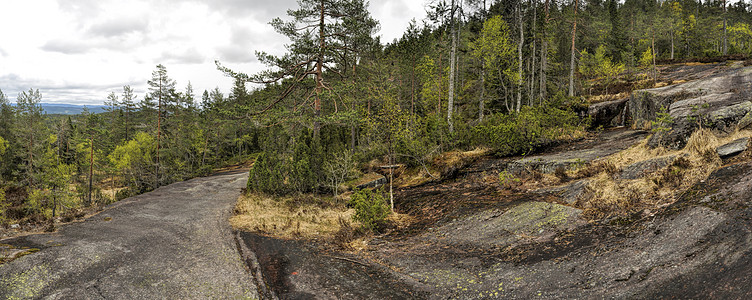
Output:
x=87 y=49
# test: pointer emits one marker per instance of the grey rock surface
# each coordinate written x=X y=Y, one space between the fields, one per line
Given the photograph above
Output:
x=642 y=168
x=373 y=183
x=568 y=193
x=609 y=143
x=733 y=148
x=719 y=102
x=697 y=249
x=608 y=113
x=172 y=243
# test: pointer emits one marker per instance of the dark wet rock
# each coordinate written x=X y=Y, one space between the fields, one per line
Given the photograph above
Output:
x=294 y=269
x=745 y=122
x=373 y=183
x=642 y=168
x=548 y=163
x=607 y=113
x=569 y=193
x=733 y=148
x=524 y=223
x=719 y=103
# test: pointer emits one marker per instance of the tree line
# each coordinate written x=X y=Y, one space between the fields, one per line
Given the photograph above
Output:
x=506 y=75
x=55 y=165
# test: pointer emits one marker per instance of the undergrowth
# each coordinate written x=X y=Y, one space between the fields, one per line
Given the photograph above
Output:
x=291 y=217
x=607 y=195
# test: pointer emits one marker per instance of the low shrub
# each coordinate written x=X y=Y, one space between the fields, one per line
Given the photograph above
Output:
x=523 y=132
x=370 y=207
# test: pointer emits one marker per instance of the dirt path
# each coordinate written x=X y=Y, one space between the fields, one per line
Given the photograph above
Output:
x=172 y=243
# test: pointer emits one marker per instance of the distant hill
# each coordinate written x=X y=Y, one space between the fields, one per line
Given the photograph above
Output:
x=69 y=109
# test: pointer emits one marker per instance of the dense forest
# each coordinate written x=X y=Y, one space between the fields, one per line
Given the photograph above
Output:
x=511 y=76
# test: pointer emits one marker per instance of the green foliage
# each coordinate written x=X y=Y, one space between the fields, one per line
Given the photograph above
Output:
x=532 y=127
x=740 y=36
x=134 y=160
x=3 y=207
x=507 y=180
x=302 y=177
x=663 y=121
x=370 y=208
x=3 y=145
x=36 y=203
x=268 y=174
x=598 y=64
x=646 y=59
x=497 y=51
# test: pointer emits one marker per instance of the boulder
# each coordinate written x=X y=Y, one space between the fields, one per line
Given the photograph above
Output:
x=373 y=182
x=642 y=168
x=733 y=148
x=569 y=193
x=720 y=103
x=524 y=223
x=607 y=114
x=745 y=122
x=578 y=155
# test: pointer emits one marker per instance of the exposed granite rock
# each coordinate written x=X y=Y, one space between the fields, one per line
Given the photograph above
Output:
x=524 y=223
x=569 y=193
x=548 y=163
x=640 y=169
x=607 y=113
x=379 y=181
x=733 y=148
x=720 y=103
x=745 y=121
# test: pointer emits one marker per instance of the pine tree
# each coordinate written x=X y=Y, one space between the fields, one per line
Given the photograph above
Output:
x=30 y=131
x=161 y=89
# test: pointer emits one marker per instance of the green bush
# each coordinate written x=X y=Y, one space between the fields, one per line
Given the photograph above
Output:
x=532 y=127
x=370 y=207
x=3 y=207
x=268 y=174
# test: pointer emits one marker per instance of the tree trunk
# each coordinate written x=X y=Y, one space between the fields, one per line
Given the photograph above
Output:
x=531 y=70
x=725 y=31
x=655 y=70
x=672 y=43
x=571 y=59
x=159 y=132
x=482 y=101
x=91 y=168
x=544 y=57
x=452 y=58
x=319 y=73
x=412 y=89
x=519 y=55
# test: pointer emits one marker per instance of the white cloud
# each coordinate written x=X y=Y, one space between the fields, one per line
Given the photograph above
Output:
x=77 y=51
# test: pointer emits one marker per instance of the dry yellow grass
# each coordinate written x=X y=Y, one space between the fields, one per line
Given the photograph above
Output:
x=455 y=157
x=606 y=195
x=288 y=218
x=608 y=97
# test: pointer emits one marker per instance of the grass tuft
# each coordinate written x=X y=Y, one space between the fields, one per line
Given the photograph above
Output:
x=606 y=195
x=291 y=217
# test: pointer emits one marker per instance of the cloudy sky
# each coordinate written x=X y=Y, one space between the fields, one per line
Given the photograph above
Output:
x=78 y=51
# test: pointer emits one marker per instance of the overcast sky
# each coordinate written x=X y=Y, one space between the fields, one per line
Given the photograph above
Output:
x=78 y=51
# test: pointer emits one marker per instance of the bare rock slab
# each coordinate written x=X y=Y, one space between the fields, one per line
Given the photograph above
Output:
x=733 y=148
x=607 y=113
x=526 y=222
x=374 y=181
x=720 y=103
x=642 y=168
x=569 y=193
